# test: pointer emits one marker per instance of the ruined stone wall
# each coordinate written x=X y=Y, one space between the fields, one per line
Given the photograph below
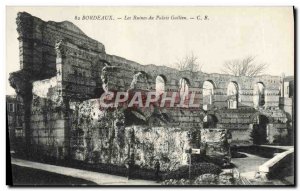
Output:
x=48 y=120
x=286 y=104
x=276 y=131
x=47 y=133
x=94 y=134
x=104 y=137
x=101 y=137
x=278 y=125
x=37 y=40
x=196 y=80
x=62 y=70
x=87 y=57
x=168 y=145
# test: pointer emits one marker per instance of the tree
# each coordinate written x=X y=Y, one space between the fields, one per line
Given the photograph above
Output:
x=244 y=67
x=189 y=63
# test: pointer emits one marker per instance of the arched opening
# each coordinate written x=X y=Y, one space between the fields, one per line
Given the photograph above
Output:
x=160 y=83
x=259 y=94
x=183 y=88
x=210 y=121
x=140 y=81
x=208 y=92
x=232 y=95
x=259 y=131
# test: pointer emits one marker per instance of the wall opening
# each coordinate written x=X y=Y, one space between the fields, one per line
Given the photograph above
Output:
x=183 y=88
x=232 y=95
x=160 y=84
x=259 y=94
x=207 y=92
x=210 y=121
x=259 y=132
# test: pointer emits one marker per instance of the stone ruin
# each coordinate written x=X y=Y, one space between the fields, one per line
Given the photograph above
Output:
x=64 y=72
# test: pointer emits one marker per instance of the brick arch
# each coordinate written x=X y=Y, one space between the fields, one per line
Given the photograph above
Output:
x=236 y=84
x=216 y=114
x=160 y=89
x=184 y=88
x=254 y=116
x=208 y=93
x=260 y=81
x=135 y=83
x=211 y=80
x=186 y=79
x=233 y=100
x=163 y=76
x=259 y=99
x=211 y=120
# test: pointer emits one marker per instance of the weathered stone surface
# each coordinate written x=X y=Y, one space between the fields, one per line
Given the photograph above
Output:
x=63 y=72
x=168 y=145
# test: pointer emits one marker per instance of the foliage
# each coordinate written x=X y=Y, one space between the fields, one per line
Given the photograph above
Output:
x=205 y=179
x=244 y=67
x=196 y=170
x=189 y=63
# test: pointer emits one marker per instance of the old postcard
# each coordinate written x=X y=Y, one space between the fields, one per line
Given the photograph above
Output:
x=152 y=96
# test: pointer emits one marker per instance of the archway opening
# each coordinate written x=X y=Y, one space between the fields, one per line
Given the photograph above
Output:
x=140 y=81
x=259 y=132
x=208 y=92
x=210 y=121
x=160 y=85
x=232 y=95
x=183 y=88
x=259 y=94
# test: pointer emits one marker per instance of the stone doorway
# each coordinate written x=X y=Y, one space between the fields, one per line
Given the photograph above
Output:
x=210 y=121
x=259 y=132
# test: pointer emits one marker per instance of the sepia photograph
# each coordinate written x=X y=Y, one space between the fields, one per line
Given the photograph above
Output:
x=185 y=96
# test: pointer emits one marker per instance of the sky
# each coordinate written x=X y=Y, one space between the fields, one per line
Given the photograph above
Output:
x=267 y=33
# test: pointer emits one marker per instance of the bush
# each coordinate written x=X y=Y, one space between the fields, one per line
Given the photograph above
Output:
x=206 y=179
x=196 y=170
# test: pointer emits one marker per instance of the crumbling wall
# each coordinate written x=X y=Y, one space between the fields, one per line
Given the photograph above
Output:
x=65 y=70
x=37 y=40
x=216 y=142
x=96 y=136
x=168 y=145
x=101 y=136
x=277 y=127
x=47 y=122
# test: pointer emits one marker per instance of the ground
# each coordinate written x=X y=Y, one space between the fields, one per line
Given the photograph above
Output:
x=27 y=176
x=34 y=173
x=249 y=163
x=248 y=166
x=71 y=175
